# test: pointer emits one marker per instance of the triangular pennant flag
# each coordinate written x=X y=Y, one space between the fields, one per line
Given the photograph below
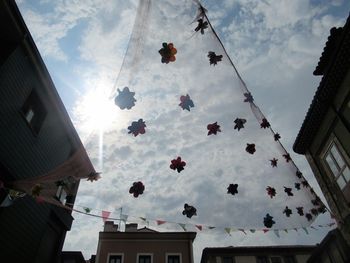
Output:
x=320 y=225
x=265 y=230
x=228 y=230
x=124 y=217
x=160 y=222
x=313 y=227
x=183 y=226
x=305 y=229
x=242 y=230
x=105 y=215
x=87 y=210
x=211 y=227
x=296 y=230
x=252 y=230
x=145 y=220
x=276 y=233
x=331 y=224
x=285 y=230
x=199 y=227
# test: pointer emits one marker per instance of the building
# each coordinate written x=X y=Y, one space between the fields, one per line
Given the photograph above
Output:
x=262 y=254
x=143 y=245
x=72 y=257
x=333 y=248
x=324 y=137
x=37 y=136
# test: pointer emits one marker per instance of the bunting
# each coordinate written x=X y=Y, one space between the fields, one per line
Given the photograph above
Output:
x=105 y=215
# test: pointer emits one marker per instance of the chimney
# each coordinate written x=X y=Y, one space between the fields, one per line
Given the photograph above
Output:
x=131 y=227
x=110 y=227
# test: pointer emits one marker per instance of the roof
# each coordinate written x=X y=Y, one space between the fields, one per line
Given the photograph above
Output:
x=256 y=250
x=147 y=235
x=334 y=65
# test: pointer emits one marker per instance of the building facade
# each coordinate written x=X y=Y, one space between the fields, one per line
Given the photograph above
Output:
x=324 y=137
x=143 y=245
x=37 y=136
x=267 y=254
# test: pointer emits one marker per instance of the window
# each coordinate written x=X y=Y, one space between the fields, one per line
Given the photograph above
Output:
x=145 y=259
x=34 y=112
x=115 y=259
x=227 y=260
x=173 y=259
x=289 y=259
x=276 y=260
x=61 y=194
x=262 y=260
x=337 y=166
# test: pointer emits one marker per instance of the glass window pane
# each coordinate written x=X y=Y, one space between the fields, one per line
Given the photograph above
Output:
x=337 y=156
x=341 y=182
x=227 y=260
x=332 y=165
x=346 y=174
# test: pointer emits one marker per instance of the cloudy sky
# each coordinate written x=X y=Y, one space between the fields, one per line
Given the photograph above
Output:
x=275 y=45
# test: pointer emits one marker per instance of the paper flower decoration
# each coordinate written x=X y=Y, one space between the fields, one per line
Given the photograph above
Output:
x=276 y=136
x=239 y=123
x=308 y=216
x=189 y=211
x=248 y=97
x=305 y=184
x=268 y=222
x=36 y=190
x=186 y=103
x=316 y=201
x=314 y=211
x=213 y=58
x=288 y=191
x=213 y=128
x=168 y=52
x=287 y=157
x=322 y=209
x=287 y=211
x=232 y=189
x=297 y=186
x=177 y=164
x=137 y=189
x=137 y=127
x=298 y=174
x=93 y=177
x=271 y=191
x=87 y=210
x=274 y=162
x=300 y=210
x=125 y=99
x=201 y=26
x=250 y=148
x=264 y=124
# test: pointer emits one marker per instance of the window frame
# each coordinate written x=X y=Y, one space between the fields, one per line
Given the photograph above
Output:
x=334 y=142
x=33 y=104
x=230 y=257
x=144 y=254
x=115 y=254
x=61 y=189
x=260 y=257
x=173 y=254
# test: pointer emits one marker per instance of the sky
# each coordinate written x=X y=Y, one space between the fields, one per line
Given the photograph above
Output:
x=275 y=46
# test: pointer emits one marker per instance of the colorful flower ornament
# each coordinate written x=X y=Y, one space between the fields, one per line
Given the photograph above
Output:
x=288 y=191
x=308 y=216
x=248 y=97
x=314 y=211
x=287 y=211
x=271 y=191
x=298 y=174
x=274 y=162
x=137 y=189
x=287 y=157
x=213 y=58
x=189 y=211
x=277 y=136
x=297 y=186
x=322 y=209
x=137 y=127
x=239 y=123
x=186 y=103
x=36 y=190
x=125 y=99
x=264 y=124
x=250 y=148
x=300 y=210
x=232 y=189
x=213 y=128
x=268 y=222
x=177 y=164
x=168 y=52
x=305 y=184
x=201 y=26
x=87 y=210
x=94 y=176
